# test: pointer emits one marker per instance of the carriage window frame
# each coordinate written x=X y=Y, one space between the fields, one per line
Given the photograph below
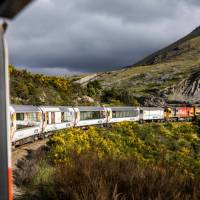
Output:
x=90 y=115
x=124 y=114
x=28 y=116
x=20 y=116
x=66 y=117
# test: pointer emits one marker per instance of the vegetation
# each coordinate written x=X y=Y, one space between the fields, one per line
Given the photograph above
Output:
x=125 y=161
x=37 y=89
x=116 y=97
x=94 y=88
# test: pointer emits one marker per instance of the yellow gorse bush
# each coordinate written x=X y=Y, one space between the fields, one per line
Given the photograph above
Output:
x=172 y=143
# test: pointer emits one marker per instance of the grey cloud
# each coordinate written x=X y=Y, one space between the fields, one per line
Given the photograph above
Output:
x=93 y=35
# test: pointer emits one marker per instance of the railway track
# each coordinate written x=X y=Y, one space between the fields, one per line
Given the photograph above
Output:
x=22 y=150
x=19 y=153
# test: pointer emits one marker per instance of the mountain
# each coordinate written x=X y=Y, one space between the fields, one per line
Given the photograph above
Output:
x=171 y=52
x=169 y=75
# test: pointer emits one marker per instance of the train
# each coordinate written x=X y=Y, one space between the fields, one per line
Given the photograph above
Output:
x=30 y=123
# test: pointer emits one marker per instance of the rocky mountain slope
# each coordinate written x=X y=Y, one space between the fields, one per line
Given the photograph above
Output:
x=170 y=75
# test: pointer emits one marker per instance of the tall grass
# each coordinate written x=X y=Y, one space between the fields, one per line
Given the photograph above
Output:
x=125 y=161
x=88 y=177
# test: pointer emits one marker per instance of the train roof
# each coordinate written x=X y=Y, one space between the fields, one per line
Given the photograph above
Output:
x=151 y=108
x=123 y=108
x=90 y=108
x=50 y=108
x=25 y=108
x=65 y=109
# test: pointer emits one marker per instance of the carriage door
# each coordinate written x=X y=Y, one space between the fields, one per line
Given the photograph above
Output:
x=53 y=120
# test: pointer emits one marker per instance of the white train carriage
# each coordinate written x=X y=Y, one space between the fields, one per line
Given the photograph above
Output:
x=56 y=118
x=88 y=115
x=120 y=114
x=26 y=123
x=151 y=114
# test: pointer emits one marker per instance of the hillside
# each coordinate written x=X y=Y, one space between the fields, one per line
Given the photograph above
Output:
x=172 y=74
x=37 y=89
x=171 y=52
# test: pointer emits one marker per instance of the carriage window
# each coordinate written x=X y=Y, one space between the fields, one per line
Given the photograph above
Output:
x=27 y=120
x=121 y=114
x=66 y=116
x=28 y=117
x=87 y=115
x=33 y=116
x=20 y=116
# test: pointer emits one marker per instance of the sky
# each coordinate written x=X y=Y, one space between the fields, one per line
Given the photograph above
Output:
x=60 y=37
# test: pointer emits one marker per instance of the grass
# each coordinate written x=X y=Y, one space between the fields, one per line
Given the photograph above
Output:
x=90 y=178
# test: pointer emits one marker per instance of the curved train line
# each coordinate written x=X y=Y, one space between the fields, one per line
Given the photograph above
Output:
x=30 y=123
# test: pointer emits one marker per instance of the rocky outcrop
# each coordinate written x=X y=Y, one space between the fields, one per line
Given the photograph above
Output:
x=188 y=89
x=152 y=101
x=86 y=79
x=86 y=99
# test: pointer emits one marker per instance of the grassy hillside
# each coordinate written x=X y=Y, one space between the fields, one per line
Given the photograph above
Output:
x=125 y=161
x=37 y=89
x=165 y=76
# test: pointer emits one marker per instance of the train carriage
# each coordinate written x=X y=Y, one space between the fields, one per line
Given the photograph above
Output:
x=26 y=123
x=151 y=114
x=89 y=115
x=56 y=118
x=120 y=114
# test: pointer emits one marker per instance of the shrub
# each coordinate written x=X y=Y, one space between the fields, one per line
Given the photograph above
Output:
x=87 y=177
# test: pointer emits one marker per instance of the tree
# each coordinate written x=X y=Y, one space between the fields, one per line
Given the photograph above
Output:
x=94 y=88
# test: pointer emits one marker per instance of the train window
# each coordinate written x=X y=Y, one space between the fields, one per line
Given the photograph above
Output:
x=114 y=113
x=87 y=115
x=66 y=116
x=20 y=116
x=122 y=114
x=33 y=116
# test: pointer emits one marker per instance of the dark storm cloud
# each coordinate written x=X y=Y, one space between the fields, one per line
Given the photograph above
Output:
x=93 y=35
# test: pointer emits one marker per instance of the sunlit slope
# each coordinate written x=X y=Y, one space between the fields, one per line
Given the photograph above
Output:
x=163 y=79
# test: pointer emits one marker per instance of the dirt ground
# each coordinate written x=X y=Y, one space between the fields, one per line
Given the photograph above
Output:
x=19 y=153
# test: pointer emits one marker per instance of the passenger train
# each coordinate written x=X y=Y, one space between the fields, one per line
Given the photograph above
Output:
x=29 y=123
